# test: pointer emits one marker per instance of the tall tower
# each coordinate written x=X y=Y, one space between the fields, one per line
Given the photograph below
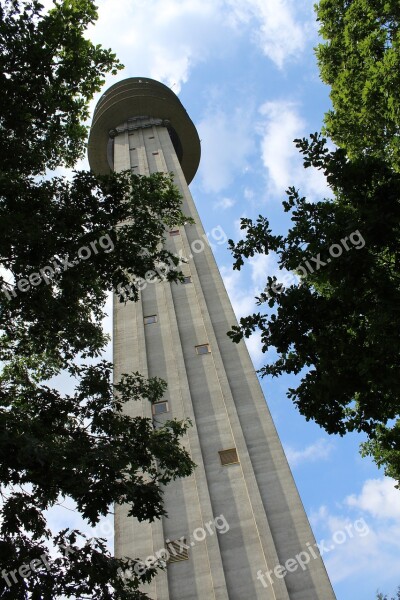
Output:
x=179 y=332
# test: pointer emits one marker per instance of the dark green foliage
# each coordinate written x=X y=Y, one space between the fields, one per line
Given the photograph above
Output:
x=342 y=322
x=49 y=72
x=82 y=447
x=57 y=218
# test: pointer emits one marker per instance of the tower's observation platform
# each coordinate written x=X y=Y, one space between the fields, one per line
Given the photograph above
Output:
x=136 y=97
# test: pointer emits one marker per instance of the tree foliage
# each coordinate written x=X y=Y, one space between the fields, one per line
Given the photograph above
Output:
x=64 y=244
x=341 y=323
x=337 y=324
x=49 y=72
x=360 y=60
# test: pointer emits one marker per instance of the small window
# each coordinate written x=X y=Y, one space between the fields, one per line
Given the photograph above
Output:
x=174 y=232
x=160 y=407
x=151 y=137
x=187 y=279
x=177 y=551
x=228 y=457
x=203 y=349
x=154 y=153
x=150 y=319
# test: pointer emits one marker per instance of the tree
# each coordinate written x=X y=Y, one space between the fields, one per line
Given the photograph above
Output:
x=337 y=322
x=50 y=72
x=62 y=248
x=361 y=62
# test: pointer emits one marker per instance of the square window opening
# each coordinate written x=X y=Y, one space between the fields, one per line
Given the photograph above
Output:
x=203 y=349
x=150 y=319
x=160 y=407
x=229 y=457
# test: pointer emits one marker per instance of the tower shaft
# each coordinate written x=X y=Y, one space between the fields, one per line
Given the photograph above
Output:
x=240 y=512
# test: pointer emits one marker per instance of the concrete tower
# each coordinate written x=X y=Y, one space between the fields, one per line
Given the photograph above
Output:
x=178 y=332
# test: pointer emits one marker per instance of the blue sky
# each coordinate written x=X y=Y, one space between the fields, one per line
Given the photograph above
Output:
x=246 y=73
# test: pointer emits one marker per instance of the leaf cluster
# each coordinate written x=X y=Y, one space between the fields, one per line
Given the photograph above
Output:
x=82 y=447
x=49 y=224
x=339 y=327
x=49 y=71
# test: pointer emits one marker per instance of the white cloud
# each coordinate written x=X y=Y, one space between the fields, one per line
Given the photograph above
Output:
x=226 y=147
x=364 y=540
x=108 y=327
x=242 y=298
x=248 y=193
x=254 y=346
x=162 y=39
x=261 y=266
x=239 y=233
x=66 y=172
x=165 y=39
x=320 y=450
x=277 y=29
x=240 y=295
x=378 y=497
x=280 y=126
x=108 y=309
x=224 y=203
x=65 y=515
x=266 y=265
